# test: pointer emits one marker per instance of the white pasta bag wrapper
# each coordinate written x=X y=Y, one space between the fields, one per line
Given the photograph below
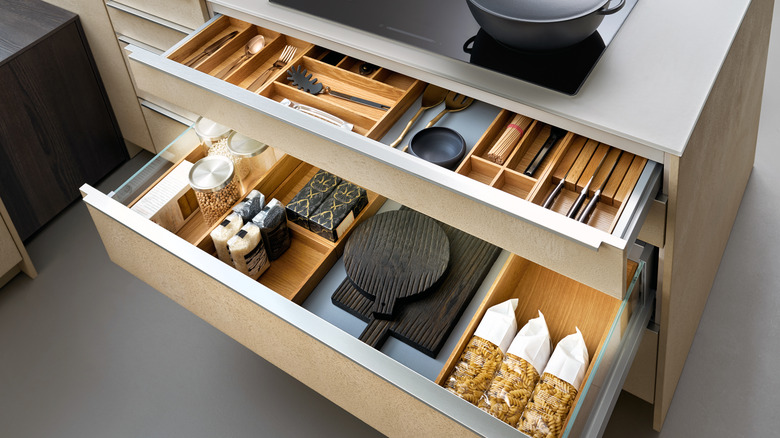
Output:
x=513 y=384
x=570 y=359
x=533 y=343
x=499 y=324
x=482 y=357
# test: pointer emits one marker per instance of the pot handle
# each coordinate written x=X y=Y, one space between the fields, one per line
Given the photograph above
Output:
x=606 y=10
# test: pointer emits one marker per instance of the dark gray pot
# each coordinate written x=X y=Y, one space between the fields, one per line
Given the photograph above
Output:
x=540 y=25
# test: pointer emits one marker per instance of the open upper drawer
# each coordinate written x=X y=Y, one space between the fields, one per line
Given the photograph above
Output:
x=494 y=202
x=288 y=318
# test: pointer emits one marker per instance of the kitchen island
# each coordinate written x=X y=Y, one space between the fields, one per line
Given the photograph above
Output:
x=680 y=85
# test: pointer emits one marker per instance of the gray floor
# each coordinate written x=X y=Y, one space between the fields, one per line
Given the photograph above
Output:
x=87 y=350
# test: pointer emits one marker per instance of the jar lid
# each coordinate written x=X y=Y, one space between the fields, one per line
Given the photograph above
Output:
x=211 y=174
x=245 y=147
x=210 y=130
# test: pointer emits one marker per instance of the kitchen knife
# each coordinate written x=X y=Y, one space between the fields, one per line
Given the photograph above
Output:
x=555 y=134
x=211 y=49
x=583 y=217
x=557 y=190
x=584 y=193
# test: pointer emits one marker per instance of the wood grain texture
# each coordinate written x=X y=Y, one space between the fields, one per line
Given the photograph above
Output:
x=426 y=323
x=395 y=256
x=23 y=23
x=58 y=129
x=705 y=189
x=110 y=61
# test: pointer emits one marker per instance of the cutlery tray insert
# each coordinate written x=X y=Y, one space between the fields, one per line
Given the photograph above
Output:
x=379 y=85
x=574 y=157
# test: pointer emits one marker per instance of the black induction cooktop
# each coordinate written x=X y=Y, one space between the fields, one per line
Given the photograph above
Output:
x=446 y=27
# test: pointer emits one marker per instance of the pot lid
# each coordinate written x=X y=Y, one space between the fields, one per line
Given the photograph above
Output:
x=244 y=146
x=211 y=174
x=209 y=129
x=540 y=10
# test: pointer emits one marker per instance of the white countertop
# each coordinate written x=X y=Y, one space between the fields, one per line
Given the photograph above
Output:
x=644 y=95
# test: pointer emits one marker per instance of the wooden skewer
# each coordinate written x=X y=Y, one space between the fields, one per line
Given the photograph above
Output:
x=509 y=138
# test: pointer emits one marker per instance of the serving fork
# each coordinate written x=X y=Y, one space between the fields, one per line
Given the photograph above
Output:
x=453 y=103
x=287 y=55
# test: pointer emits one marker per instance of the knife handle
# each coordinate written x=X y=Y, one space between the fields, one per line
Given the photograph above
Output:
x=192 y=61
x=357 y=99
x=577 y=203
x=556 y=191
x=529 y=171
x=583 y=217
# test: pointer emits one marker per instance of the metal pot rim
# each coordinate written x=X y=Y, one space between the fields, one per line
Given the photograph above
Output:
x=597 y=5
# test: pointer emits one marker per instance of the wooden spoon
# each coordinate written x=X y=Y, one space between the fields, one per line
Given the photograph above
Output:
x=431 y=97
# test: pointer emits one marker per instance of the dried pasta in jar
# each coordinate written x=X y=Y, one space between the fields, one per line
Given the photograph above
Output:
x=482 y=357
x=512 y=386
x=554 y=396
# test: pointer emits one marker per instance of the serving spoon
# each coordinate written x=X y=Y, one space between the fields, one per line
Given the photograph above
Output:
x=432 y=96
x=252 y=46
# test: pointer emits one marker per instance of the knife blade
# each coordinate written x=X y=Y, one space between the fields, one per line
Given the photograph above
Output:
x=211 y=49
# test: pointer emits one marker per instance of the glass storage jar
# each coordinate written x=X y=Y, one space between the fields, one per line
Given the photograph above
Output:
x=216 y=186
x=248 y=154
x=210 y=132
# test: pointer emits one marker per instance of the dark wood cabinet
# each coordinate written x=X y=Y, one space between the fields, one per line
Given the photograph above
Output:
x=57 y=129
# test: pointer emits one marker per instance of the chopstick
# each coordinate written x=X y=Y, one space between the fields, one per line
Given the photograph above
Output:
x=512 y=134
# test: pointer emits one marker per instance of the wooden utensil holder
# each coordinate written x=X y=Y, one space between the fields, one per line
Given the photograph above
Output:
x=295 y=274
x=384 y=86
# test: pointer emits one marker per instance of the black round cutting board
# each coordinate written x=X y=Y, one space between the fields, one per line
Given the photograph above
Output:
x=394 y=256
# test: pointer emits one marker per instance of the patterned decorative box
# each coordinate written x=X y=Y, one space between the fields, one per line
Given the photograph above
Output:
x=305 y=203
x=337 y=212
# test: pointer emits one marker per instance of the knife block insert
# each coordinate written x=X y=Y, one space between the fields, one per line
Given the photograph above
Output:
x=581 y=160
x=574 y=152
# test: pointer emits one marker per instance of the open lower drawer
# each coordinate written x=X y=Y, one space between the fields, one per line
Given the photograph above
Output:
x=282 y=316
x=496 y=203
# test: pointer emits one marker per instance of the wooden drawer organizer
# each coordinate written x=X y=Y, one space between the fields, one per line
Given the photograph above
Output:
x=566 y=305
x=295 y=274
x=383 y=86
x=574 y=154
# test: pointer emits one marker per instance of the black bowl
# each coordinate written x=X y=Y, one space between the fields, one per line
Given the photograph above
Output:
x=439 y=145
